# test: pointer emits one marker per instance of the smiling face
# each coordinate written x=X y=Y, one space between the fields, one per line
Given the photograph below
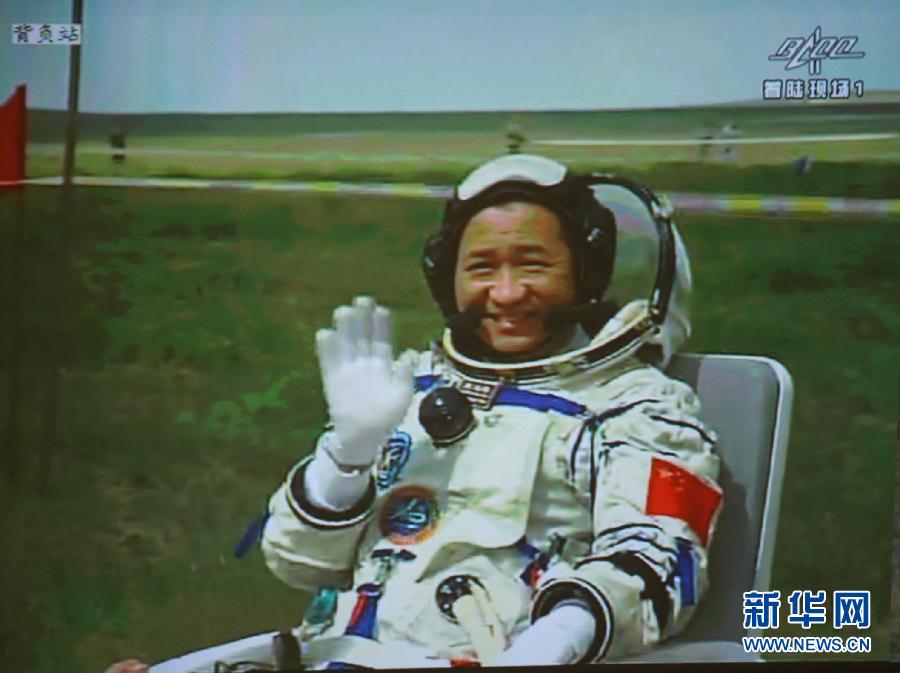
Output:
x=514 y=262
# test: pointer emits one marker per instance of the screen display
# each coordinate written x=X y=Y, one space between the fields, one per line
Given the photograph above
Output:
x=188 y=191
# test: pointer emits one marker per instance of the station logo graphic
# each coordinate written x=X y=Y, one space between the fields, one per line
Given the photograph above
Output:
x=813 y=49
x=810 y=51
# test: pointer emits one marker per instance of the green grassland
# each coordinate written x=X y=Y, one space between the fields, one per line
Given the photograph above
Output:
x=439 y=148
x=189 y=387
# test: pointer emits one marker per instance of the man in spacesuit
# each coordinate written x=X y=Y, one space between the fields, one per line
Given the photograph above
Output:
x=533 y=490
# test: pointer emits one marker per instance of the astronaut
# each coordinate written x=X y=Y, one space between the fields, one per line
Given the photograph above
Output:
x=532 y=490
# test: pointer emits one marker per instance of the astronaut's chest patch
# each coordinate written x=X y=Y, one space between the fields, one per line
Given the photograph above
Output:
x=410 y=515
x=394 y=456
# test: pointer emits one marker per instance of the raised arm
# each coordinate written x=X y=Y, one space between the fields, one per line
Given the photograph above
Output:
x=319 y=514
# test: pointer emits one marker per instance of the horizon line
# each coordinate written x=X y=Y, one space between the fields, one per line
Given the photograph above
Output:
x=746 y=103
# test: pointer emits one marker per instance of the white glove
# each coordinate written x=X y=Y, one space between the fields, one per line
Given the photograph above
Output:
x=368 y=394
x=561 y=637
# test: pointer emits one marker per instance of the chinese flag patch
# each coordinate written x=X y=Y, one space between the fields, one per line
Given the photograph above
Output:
x=677 y=492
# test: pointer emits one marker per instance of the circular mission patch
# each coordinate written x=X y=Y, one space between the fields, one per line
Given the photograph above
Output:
x=409 y=515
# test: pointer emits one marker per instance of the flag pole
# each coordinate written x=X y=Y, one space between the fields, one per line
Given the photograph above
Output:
x=15 y=337
x=72 y=116
x=58 y=338
x=12 y=173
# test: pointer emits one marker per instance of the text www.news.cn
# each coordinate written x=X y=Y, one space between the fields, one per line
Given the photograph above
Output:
x=801 y=644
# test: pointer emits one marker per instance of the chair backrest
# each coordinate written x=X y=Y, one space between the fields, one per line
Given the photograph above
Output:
x=747 y=400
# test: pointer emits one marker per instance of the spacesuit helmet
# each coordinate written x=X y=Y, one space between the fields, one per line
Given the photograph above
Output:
x=632 y=273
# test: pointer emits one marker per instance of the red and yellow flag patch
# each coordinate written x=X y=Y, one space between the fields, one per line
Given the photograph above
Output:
x=675 y=491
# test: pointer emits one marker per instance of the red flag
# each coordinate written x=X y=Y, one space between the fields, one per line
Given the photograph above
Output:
x=676 y=491
x=13 y=132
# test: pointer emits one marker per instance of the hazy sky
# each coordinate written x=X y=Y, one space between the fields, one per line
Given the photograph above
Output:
x=411 y=55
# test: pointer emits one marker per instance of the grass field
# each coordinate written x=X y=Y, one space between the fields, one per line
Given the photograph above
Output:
x=189 y=387
x=440 y=148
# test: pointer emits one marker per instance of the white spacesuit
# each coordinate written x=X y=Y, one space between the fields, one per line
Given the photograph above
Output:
x=509 y=510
